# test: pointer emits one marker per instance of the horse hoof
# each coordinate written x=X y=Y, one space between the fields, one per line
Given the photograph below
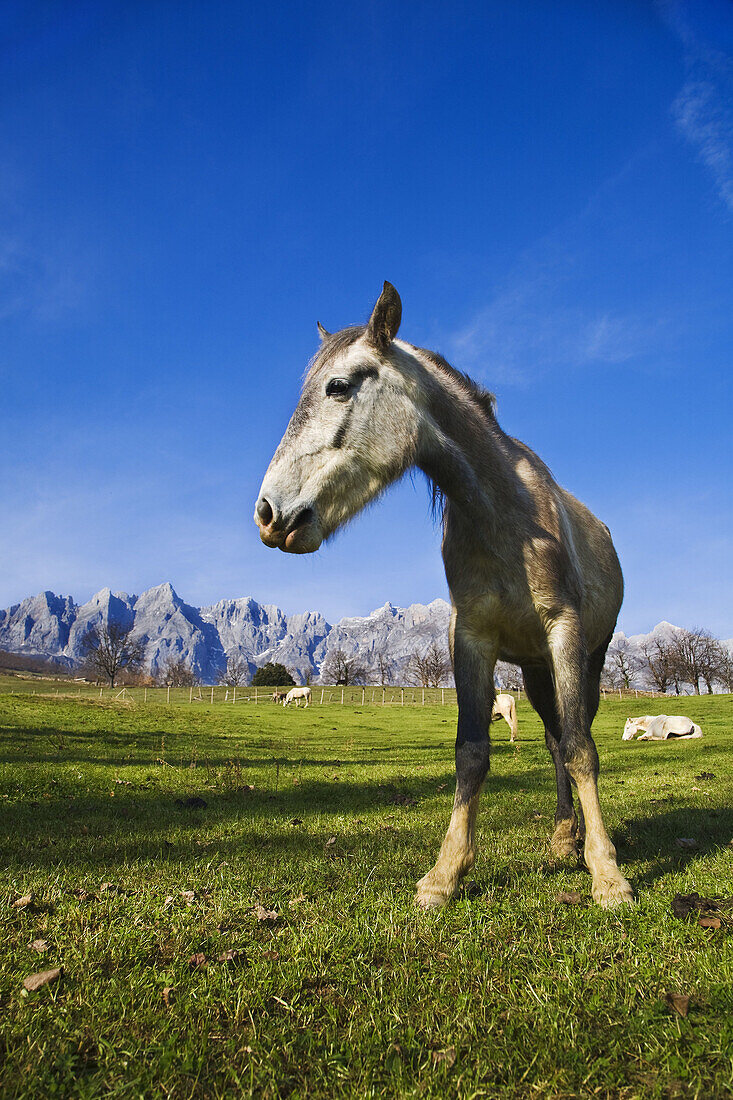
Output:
x=563 y=843
x=610 y=893
x=430 y=896
x=429 y=899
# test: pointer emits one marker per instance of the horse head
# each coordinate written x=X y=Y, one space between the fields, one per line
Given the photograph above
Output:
x=351 y=435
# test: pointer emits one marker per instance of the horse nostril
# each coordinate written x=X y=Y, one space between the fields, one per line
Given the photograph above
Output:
x=306 y=516
x=264 y=511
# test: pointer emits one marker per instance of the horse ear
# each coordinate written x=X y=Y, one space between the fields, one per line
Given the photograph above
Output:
x=322 y=332
x=385 y=319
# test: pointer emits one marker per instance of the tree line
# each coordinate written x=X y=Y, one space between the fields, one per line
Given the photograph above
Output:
x=684 y=659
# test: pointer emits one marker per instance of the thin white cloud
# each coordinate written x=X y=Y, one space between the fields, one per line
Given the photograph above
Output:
x=706 y=120
x=703 y=110
x=535 y=322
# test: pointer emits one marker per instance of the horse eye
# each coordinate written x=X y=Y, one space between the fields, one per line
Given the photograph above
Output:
x=337 y=387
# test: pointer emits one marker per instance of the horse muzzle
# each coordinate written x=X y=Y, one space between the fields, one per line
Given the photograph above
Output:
x=295 y=533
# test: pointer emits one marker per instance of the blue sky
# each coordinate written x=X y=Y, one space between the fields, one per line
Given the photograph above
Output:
x=186 y=188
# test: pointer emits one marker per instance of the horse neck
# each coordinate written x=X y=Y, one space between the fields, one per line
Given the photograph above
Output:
x=460 y=447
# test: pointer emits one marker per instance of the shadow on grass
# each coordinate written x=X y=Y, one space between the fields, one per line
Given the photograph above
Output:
x=137 y=822
x=653 y=839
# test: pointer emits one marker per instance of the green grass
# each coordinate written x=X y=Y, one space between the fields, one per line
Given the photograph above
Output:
x=351 y=992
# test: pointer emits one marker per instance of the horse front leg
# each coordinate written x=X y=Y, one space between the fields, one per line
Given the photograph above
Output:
x=473 y=665
x=579 y=754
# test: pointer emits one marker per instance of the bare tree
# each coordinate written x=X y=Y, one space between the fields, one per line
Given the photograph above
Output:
x=417 y=671
x=507 y=677
x=176 y=673
x=383 y=669
x=109 y=650
x=621 y=665
x=658 y=661
x=339 y=668
x=236 y=672
x=726 y=669
x=430 y=669
x=698 y=656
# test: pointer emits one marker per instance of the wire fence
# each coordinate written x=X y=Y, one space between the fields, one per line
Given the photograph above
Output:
x=321 y=695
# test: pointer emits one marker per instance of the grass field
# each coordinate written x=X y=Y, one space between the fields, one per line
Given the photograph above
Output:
x=327 y=818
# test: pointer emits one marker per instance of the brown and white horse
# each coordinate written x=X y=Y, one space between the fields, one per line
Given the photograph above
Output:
x=533 y=575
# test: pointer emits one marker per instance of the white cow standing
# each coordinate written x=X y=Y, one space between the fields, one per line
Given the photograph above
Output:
x=659 y=727
x=506 y=708
x=296 y=694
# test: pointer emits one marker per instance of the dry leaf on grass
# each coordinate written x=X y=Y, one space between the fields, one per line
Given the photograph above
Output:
x=168 y=994
x=24 y=902
x=685 y=905
x=686 y=842
x=445 y=1057
x=263 y=914
x=570 y=897
x=232 y=957
x=113 y=888
x=678 y=1002
x=39 y=945
x=197 y=961
x=710 y=922
x=330 y=842
x=273 y=956
x=43 y=977
x=296 y=901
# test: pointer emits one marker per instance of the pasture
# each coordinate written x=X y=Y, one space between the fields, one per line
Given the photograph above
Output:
x=301 y=864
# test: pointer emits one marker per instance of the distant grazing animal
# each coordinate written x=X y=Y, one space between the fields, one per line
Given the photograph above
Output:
x=506 y=708
x=296 y=694
x=278 y=696
x=659 y=727
x=533 y=575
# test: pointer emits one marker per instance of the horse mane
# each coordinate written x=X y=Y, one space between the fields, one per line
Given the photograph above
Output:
x=485 y=400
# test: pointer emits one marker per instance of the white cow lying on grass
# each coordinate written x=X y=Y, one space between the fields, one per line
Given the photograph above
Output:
x=659 y=727
x=296 y=694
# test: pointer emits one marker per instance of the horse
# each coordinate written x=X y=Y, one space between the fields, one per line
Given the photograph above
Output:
x=505 y=707
x=533 y=575
x=660 y=727
x=278 y=696
x=296 y=694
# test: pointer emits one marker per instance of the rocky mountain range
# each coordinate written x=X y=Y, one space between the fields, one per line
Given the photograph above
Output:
x=53 y=627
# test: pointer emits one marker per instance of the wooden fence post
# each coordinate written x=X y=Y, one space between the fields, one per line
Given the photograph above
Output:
x=423 y=696
x=212 y=696
x=342 y=696
x=234 y=694
x=383 y=695
x=403 y=697
x=190 y=694
x=322 y=692
x=169 y=694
